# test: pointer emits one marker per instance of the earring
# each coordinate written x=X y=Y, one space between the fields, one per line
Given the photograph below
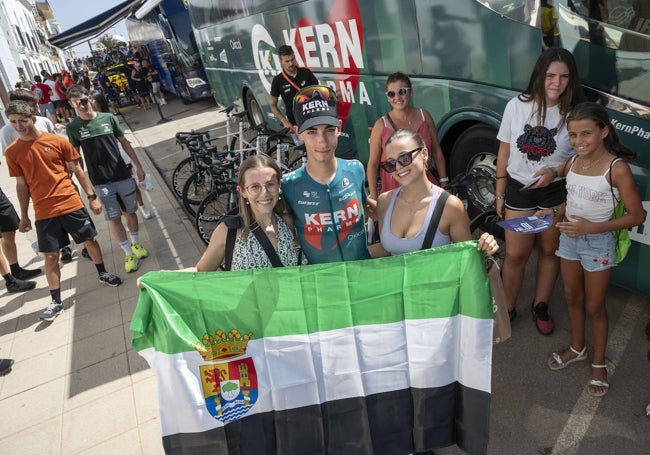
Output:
x=246 y=200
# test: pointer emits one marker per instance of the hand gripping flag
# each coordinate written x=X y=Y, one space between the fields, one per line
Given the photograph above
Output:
x=389 y=355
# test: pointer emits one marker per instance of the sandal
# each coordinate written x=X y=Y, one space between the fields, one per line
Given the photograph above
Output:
x=597 y=383
x=560 y=364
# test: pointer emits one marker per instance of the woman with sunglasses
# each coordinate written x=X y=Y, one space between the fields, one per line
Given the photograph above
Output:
x=259 y=183
x=405 y=212
x=399 y=92
x=534 y=137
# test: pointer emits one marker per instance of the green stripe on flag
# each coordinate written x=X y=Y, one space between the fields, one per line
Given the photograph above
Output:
x=174 y=307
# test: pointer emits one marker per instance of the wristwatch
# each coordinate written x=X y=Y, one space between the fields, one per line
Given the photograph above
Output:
x=92 y=197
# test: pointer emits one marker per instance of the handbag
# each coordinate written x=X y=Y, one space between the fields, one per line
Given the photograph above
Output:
x=502 y=329
x=621 y=236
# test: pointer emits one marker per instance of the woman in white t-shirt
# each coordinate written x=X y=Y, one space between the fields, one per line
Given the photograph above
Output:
x=533 y=137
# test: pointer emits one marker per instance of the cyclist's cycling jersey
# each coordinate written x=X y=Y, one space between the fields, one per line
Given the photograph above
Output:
x=329 y=218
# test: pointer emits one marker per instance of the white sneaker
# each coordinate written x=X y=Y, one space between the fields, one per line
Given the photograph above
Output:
x=146 y=213
x=163 y=101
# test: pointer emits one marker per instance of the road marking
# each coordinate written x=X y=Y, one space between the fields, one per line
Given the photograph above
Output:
x=585 y=408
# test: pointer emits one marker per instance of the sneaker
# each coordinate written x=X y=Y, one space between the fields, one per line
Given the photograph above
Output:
x=51 y=312
x=146 y=213
x=139 y=250
x=86 y=254
x=110 y=279
x=66 y=254
x=19 y=285
x=131 y=263
x=25 y=274
x=542 y=319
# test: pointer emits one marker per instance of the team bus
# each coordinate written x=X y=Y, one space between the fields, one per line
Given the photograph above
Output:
x=166 y=37
x=466 y=59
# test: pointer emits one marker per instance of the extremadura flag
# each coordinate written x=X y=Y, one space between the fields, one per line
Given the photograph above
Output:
x=384 y=356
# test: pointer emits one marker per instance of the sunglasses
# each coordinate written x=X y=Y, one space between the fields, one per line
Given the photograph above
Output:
x=401 y=92
x=404 y=159
x=319 y=92
x=82 y=101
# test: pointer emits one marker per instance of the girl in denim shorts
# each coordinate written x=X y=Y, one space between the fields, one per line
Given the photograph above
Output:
x=596 y=178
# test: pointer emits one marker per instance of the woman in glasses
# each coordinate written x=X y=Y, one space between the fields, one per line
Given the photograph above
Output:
x=534 y=137
x=260 y=230
x=402 y=116
x=405 y=212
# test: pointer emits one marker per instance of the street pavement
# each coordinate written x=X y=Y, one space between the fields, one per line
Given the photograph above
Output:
x=77 y=387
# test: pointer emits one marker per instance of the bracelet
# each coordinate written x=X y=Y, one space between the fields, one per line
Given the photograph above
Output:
x=502 y=176
x=500 y=196
x=92 y=197
x=553 y=172
x=443 y=179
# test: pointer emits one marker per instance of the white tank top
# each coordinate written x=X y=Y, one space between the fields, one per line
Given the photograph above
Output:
x=589 y=196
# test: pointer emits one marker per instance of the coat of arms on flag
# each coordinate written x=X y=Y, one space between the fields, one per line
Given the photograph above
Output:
x=229 y=388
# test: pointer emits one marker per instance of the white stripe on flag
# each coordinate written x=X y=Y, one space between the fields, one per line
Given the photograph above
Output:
x=302 y=370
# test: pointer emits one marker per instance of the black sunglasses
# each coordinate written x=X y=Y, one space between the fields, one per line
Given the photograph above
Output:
x=401 y=92
x=404 y=159
x=82 y=101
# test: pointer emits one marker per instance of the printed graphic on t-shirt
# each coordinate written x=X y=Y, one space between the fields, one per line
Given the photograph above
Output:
x=537 y=142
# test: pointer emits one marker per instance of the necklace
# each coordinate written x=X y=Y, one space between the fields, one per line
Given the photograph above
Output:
x=406 y=118
x=588 y=166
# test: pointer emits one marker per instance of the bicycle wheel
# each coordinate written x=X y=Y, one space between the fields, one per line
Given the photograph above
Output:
x=211 y=212
x=181 y=173
x=196 y=188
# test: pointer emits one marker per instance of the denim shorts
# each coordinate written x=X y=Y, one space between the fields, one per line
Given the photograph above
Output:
x=596 y=252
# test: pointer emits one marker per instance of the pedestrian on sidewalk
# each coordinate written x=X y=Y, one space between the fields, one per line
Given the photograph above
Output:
x=98 y=133
x=42 y=163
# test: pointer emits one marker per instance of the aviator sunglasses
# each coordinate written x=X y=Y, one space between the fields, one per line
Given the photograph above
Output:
x=404 y=159
x=401 y=92
x=314 y=92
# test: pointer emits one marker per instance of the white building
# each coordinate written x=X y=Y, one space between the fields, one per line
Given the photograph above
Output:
x=25 y=26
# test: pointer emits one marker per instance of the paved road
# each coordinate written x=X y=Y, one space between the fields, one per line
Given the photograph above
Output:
x=534 y=410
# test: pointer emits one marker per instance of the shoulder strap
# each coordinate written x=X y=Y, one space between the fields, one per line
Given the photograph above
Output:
x=435 y=219
x=611 y=181
x=390 y=120
x=233 y=223
x=261 y=237
x=293 y=84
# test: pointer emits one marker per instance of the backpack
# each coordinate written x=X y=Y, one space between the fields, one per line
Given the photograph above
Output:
x=39 y=92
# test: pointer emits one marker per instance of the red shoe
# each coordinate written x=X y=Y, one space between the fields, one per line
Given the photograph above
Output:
x=542 y=319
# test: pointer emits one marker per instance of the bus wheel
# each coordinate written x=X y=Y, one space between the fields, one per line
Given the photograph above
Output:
x=476 y=151
x=255 y=114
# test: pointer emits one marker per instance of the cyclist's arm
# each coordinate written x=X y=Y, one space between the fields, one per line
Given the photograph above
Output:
x=276 y=111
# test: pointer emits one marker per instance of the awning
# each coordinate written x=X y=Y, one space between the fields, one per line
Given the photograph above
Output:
x=95 y=26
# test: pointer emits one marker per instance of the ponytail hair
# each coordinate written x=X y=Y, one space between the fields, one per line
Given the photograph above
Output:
x=598 y=114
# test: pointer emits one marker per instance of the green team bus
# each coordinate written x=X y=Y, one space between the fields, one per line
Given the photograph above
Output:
x=466 y=59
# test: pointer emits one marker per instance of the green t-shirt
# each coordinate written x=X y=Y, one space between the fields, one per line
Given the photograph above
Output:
x=101 y=152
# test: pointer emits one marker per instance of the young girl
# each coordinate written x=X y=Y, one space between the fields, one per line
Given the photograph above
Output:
x=587 y=251
x=533 y=136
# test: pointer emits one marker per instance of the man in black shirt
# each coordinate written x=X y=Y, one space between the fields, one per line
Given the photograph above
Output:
x=286 y=84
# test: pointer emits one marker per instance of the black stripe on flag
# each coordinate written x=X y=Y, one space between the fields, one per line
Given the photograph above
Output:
x=398 y=422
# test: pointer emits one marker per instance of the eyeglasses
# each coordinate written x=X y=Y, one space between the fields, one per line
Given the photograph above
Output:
x=256 y=188
x=404 y=159
x=401 y=92
x=314 y=92
x=82 y=101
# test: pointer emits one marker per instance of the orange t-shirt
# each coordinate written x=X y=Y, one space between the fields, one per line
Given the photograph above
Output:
x=43 y=164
